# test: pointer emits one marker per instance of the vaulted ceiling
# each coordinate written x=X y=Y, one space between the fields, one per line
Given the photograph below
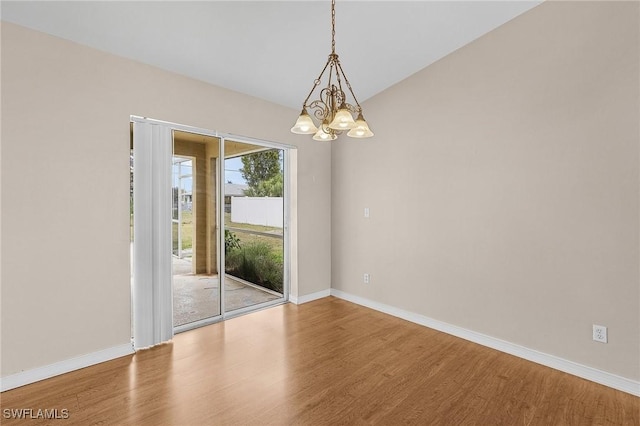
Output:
x=272 y=49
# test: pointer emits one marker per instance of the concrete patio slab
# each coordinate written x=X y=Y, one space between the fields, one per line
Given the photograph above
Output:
x=196 y=296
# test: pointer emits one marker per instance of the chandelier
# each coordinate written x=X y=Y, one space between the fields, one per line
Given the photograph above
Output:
x=331 y=108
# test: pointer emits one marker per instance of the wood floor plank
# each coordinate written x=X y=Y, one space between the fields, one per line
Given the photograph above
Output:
x=324 y=362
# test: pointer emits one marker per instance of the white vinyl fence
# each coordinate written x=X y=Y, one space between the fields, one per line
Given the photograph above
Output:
x=266 y=211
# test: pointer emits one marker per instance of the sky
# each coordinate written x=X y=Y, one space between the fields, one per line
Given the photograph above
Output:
x=232 y=168
x=232 y=173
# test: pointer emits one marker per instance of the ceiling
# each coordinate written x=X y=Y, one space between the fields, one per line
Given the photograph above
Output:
x=272 y=49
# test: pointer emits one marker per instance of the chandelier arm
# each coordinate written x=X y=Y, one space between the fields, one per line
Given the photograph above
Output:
x=331 y=72
x=338 y=69
x=316 y=82
x=319 y=109
x=320 y=106
x=329 y=100
x=349 y=86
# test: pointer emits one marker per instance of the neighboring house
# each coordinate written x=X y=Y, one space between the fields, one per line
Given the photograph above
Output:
x=233 y=190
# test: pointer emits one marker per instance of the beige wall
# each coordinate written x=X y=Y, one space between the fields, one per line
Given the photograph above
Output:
x=65 y=167
x=503 y=184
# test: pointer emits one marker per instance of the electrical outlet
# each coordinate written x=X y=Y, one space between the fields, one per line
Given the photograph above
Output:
x=600 y=333
x=366 y=278
x=366 y=212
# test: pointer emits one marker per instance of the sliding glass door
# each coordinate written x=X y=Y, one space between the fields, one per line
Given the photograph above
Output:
x=226 y=224
x=254 y=225
x=196 y=280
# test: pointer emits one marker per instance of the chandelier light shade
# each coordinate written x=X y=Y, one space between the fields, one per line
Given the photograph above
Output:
x=342 y=120
x=304 y=125
x=321 y=135
x=361 y=129
x=331 y=109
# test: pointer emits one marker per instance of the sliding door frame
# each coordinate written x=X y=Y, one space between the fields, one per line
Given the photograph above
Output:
x=288 y=243
x=286 y=219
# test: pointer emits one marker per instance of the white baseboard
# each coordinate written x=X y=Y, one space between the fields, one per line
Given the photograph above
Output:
x=309 y=297
x=589 y=373
x=35 y=375
x=583 y=371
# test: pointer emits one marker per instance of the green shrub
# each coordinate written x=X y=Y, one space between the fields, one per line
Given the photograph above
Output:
x=257 y=263
x=231 y=241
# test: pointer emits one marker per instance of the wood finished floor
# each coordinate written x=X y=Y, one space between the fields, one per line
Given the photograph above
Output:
x=324 y=362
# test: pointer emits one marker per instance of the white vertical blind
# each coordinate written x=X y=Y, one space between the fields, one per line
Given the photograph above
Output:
x=152 y=297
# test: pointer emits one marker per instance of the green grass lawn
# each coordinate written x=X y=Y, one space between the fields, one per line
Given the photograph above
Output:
x=276 y=244
x=272 y=271
x=259 y=228
x=187 y=230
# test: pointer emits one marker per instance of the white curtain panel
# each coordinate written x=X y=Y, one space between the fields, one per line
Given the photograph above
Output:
x=152 y=294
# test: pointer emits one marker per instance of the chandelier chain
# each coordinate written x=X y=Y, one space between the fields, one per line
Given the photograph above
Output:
x=333 y=26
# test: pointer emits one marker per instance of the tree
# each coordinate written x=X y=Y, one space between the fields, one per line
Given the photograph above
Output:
x=272 y=187
x=261 y=170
